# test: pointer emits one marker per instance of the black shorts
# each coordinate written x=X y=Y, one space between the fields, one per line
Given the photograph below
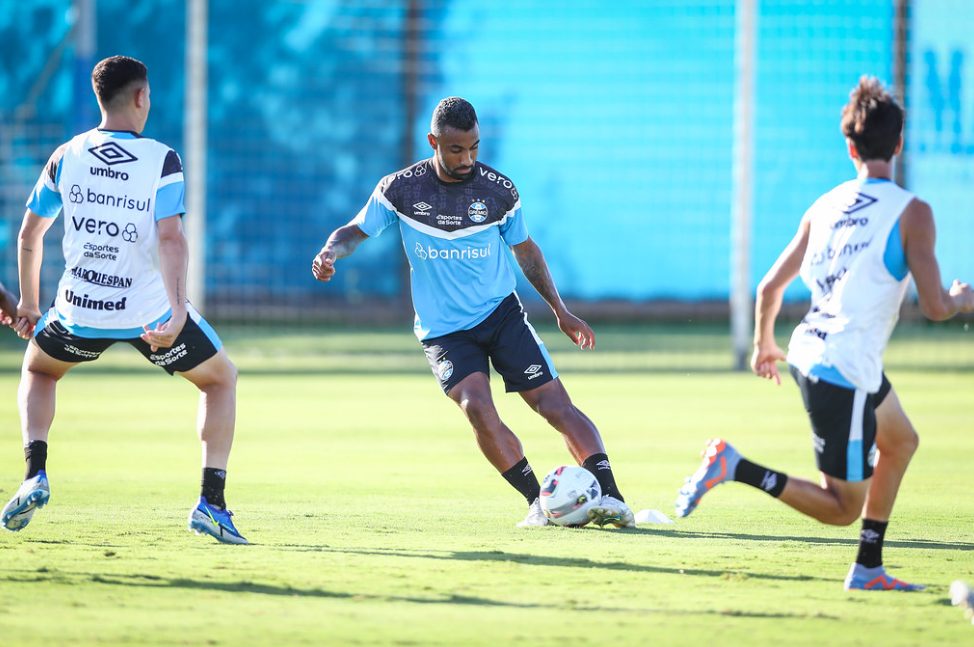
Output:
x=843 y=425
x=196 y=343
x=505 y=338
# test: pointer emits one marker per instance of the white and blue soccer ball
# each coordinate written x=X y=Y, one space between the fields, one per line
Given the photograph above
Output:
x=568 y=493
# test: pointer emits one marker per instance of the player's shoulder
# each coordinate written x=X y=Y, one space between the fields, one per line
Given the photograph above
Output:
x=916 y=215
x=408 y=176
x=495 y=182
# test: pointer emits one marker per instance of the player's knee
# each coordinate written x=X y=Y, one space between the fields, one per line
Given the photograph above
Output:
x=557 y=411
x=904 y=444
x=844 y=517
x=39 y=373
x=479 y=411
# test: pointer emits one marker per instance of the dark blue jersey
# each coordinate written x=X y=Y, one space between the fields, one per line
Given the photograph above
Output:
x=455 y=235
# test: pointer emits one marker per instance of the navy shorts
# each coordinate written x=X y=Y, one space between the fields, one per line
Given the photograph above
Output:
x=196 y=343
x=843 y=425
x=505 y=338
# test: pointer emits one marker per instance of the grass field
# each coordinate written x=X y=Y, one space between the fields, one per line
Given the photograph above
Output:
x=374 y=519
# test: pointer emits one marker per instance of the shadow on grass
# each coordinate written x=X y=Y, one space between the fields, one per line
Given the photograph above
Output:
x=562 y=562
x=9 y=576
x=920 y=544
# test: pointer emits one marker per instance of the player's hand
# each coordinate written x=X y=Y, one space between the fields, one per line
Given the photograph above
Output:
x=26 y=318
x=962 y=295
x=8 y=307
x=323 y=267
x=164 y=335
x=764 y=361
x=577 y=330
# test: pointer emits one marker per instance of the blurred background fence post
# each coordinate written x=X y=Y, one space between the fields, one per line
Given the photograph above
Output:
x=197 y=30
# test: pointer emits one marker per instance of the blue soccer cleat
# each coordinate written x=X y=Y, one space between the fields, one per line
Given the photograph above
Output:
x=214 y=521
x=33 y=493
x=720 y=461
x=876 y=579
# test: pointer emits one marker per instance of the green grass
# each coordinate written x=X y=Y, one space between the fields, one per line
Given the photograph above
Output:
x=376 y=521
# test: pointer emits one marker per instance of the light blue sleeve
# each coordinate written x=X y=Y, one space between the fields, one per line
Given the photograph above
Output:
x=45 y=199
x=377 y=214
x=514 y=231
x=170 y=200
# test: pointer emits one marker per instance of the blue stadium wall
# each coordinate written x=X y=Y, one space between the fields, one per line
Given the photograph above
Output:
x=614 y=120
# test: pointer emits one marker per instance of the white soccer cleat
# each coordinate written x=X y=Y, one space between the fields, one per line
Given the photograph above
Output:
x=34 y=493
x=612 y=510
x=535 y=516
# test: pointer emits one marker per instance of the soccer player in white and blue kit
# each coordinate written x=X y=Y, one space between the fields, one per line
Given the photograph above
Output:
x=124 y=280
x=457 y=218
x=856 y=249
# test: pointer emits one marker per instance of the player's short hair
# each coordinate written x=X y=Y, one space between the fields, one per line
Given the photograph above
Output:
x=872 y=120
x=454 y=112
x=113 y=75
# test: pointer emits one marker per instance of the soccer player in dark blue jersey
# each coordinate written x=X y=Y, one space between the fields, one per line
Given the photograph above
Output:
x=8 y=306
x=456 y=216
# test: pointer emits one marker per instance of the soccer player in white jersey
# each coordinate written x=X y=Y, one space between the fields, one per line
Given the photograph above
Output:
x=457 y=218
x=855 y=249
x=124 y=280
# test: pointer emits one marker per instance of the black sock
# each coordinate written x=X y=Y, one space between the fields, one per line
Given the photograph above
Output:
x=214 y=481
x=36 y=454
x=598 y=464
x=522 y=478
x=761 y=477
x=871 y=543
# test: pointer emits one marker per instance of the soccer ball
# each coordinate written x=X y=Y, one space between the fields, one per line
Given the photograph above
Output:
x=567 y=494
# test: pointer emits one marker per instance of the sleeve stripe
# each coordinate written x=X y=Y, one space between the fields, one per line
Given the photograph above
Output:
x=171 y=179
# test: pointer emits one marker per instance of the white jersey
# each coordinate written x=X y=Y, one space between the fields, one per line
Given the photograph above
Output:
x=108 y=184
x=855 y=296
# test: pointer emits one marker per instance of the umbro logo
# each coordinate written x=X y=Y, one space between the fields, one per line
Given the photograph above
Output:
x=869 y=536
x=769 y=481
x=819 y=443
x=861 y=201
x=603 y=465
x=533 y=371
x=422 y=206
x=111 y=154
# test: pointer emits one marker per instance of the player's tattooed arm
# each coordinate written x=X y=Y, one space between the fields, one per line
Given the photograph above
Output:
x=535 y=269
x=30 y=254
x=340 y=244
x=173 y=264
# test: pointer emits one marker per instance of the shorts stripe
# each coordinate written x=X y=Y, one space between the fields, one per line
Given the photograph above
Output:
x=537 y=338
x=854 y=455
x=205 y=327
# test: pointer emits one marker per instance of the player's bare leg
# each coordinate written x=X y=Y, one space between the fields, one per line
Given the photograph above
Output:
x=36 y=401
x=496 y=440
x=36 y=394
x=835 y=502
x=896 y=442
x=498 y=443
x=216 y=378
x=552 y=402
